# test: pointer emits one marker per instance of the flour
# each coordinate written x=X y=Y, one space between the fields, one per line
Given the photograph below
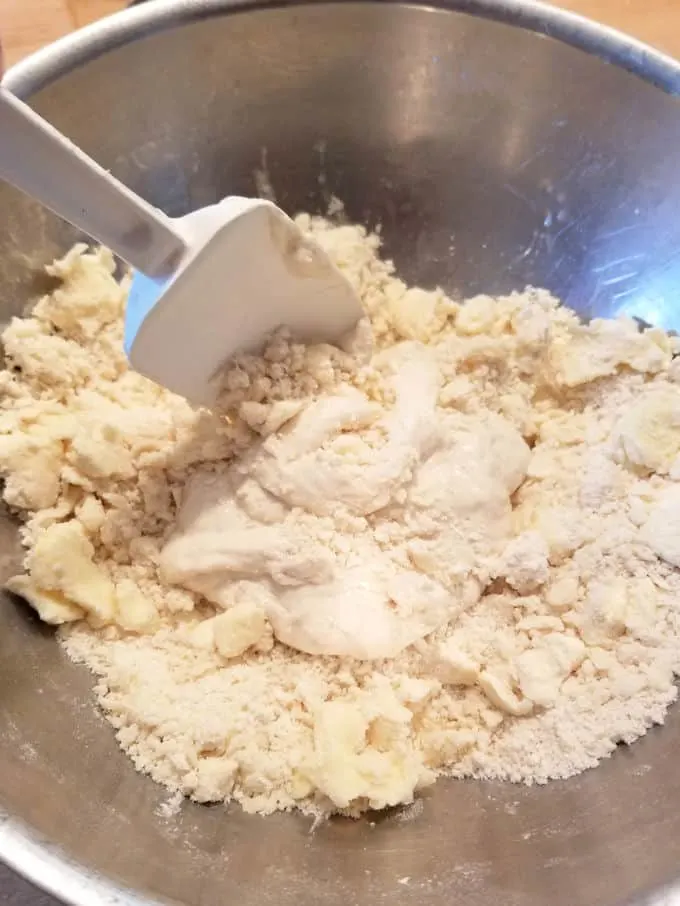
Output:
x=450 y=547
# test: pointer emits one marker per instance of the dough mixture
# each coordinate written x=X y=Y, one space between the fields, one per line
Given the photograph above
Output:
x=457 y=554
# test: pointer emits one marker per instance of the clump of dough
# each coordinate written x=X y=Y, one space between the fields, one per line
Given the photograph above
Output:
x=458 y=555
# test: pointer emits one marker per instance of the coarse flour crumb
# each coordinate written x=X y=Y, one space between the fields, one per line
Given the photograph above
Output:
x=458 y=555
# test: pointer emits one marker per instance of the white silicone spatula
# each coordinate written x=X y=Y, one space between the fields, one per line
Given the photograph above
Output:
x=207 y=285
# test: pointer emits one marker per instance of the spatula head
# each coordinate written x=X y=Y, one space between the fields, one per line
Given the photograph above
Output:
x=249 y=270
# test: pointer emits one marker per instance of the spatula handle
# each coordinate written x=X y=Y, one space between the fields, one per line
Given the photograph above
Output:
x=37 y=159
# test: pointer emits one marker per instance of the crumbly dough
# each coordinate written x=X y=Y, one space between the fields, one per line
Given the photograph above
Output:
x=458 y=557
x=359 y=527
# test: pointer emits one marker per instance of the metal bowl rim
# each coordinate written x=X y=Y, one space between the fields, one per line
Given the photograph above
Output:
x=40 y=861
x=607 y=43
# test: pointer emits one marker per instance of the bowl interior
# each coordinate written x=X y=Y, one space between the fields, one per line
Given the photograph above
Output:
x=492 y=158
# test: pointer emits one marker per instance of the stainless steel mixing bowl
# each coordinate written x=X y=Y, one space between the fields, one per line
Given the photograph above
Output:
x=499 y=144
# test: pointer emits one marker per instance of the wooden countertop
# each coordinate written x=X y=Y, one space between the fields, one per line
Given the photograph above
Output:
x=25 y=25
